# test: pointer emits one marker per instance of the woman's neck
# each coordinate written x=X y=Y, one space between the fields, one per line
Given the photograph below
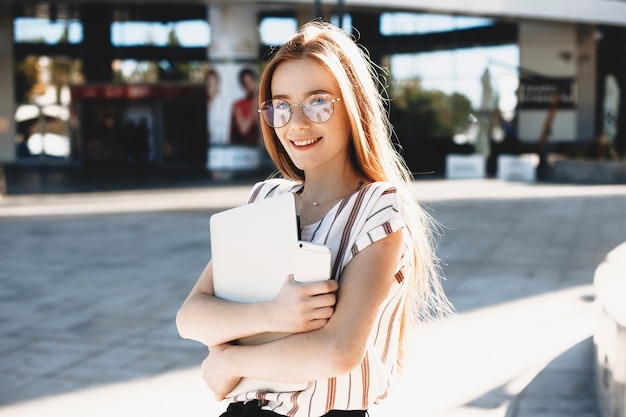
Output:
x=319 y=189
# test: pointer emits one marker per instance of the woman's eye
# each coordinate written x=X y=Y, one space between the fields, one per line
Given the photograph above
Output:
x=318 y=101
x=281 y=105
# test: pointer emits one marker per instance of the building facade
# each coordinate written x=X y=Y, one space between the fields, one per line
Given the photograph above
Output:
x=571 y=58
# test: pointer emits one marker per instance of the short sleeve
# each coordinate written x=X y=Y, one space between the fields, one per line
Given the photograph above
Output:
x=383 y=218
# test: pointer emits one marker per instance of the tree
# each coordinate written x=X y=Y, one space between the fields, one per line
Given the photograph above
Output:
x=424 y=122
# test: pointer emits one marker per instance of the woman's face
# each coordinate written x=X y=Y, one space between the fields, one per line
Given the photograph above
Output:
x=311 y=146
x=249 y=84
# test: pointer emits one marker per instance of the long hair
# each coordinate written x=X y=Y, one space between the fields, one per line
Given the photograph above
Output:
x=374 y=154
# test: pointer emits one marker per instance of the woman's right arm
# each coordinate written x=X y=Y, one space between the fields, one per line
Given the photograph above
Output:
x=212 y=321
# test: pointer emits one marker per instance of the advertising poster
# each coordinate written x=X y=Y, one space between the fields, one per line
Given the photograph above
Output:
x=232 y=120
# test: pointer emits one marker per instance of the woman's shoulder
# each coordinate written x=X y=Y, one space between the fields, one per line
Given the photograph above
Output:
x=382 y=186
x=374 y=197
x=271 y=187
x=381 y=189
x=381 y=194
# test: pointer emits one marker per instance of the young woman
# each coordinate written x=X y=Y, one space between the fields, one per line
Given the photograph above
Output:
x=326 y=128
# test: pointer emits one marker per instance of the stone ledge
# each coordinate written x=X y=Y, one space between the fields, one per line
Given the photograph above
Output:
x=610 y=284
x=589 y=172
x=610 y=334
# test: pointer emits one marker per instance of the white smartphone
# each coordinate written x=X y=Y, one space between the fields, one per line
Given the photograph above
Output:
x=312 y=262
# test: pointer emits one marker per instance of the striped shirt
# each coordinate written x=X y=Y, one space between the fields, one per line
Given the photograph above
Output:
x=357 y=221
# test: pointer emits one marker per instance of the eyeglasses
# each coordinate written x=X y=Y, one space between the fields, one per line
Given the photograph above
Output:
x=318 y=108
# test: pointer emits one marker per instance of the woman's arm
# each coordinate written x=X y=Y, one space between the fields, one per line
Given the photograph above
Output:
x=332 y=350
x=213 y=321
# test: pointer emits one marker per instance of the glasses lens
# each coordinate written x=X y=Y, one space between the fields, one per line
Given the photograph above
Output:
x=318 y=108
x=276 y=113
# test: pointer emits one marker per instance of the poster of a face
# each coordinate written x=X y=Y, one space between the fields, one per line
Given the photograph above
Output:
x=231 y=103
x=232 y=117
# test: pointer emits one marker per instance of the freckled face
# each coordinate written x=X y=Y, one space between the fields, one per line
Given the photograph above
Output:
x=310 y=145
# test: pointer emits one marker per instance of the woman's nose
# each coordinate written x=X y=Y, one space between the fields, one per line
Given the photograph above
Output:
x=297 y=116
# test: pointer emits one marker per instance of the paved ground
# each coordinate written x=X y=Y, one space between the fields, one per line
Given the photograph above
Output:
x=90 y=284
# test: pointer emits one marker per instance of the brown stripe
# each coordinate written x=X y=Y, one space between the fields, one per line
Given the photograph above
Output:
x=255 y=194
x=387 y=228
x=392 y=320
x=294 y=401
x=331 y=393
x=365 y=376
x=383 y=396
x=348 y=228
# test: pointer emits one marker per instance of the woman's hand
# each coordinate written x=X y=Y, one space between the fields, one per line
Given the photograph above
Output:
x=300 y=307
x=215 y=373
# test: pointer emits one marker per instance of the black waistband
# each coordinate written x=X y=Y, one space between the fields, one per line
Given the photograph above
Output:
x=253 y=409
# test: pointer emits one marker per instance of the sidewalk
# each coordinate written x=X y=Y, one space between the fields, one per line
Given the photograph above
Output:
x=90 y=285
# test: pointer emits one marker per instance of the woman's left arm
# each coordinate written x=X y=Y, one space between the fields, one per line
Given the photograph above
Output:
x=333 y=350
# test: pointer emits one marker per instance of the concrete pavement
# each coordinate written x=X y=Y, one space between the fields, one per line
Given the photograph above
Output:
x=90 y=284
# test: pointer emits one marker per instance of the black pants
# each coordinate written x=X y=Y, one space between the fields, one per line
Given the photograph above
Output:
x=253 y=409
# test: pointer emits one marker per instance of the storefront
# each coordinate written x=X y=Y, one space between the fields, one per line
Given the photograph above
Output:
x=139 y=124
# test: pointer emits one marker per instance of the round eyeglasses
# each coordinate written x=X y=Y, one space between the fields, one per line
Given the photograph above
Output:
x=317 y=108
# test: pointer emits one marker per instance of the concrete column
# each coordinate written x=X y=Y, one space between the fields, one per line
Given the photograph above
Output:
x=233 y=51
x=98 y=52
x=587 y=46
x=304 y=13
x=7 y=93
x=368 y=26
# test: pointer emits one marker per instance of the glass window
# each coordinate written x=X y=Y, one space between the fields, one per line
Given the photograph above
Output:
x=346 y=24
x=193 y=33
x=277 y=30
x=189 y=33
x=460 y=70
x=134 y=71
x=415 y=24
x=38 y=30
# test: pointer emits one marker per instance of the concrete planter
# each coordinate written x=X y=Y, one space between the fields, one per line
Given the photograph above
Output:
x=589 y=172
x=518 y=167
x=465 y=166
x=229 y=159
x=610 y=335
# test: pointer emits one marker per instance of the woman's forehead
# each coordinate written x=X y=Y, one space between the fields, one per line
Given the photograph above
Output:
x=302 y=76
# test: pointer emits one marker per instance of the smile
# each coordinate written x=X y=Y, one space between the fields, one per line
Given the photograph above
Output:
x=305 y=142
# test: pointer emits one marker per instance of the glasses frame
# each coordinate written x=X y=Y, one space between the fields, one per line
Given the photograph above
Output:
x=291 y=108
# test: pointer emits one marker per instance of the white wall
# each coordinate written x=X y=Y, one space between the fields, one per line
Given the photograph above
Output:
x=560 y=50
x=611 y=12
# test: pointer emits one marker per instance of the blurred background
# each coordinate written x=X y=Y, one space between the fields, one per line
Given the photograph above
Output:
x=117 y=143
x=145 y=86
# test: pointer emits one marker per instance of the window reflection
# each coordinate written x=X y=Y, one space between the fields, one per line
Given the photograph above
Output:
x=189 y=33
x=38 y=30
